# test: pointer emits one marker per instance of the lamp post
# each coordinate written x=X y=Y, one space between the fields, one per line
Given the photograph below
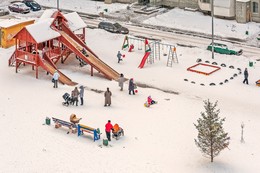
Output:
x=212 y=16
x=58 y=5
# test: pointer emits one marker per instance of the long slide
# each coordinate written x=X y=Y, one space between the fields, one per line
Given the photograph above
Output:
x=51 y=69
x=76 y=45
x=146 y=55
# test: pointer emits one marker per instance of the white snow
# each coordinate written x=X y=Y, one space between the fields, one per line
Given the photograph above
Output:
x=158 y=139
x=41 y=31
x=5 y=23
x=74 y=21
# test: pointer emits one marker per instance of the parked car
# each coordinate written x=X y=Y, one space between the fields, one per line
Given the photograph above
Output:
x=4 y=11
x=115 y=28
x=32 y=4
x=223 y=49
x=19 y=7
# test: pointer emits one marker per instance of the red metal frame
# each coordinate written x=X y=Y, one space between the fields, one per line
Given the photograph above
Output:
x=200 y=72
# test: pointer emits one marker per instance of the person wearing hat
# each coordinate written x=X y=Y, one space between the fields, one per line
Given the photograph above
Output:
x=55 y=78
x=81 y=94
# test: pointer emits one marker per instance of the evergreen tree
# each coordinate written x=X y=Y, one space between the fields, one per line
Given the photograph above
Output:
x=211 y=136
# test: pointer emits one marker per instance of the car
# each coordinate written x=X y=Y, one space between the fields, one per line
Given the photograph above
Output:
x=19 y=7
x=115 y=28
x=223 y=49
x=32 y=4
x=4 y=11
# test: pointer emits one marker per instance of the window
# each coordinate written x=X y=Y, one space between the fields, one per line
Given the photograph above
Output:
x=205 y=1
x=255 y=7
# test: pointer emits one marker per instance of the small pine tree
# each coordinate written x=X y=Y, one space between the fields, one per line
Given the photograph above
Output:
x=211 y=136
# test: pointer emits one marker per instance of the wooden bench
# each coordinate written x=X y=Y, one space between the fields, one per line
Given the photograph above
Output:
x=82 y=128
x=59 y=123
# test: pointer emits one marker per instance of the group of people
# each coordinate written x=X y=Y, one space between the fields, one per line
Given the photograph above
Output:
x=131 y=86
x=75 y=94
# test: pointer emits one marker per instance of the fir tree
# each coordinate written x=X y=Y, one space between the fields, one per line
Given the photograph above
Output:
x=211 y=136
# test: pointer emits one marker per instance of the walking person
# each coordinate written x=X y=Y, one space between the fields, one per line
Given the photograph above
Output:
x=119 y=55
x=131 y=86
x=81 y=94
x=108 y=95
x=108 y=127
x=75 y=95
x=121 y=81
x=246 y=76
x=55 y=78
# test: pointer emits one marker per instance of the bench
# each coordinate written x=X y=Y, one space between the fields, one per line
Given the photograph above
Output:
x=82 y=128
x=59 y=123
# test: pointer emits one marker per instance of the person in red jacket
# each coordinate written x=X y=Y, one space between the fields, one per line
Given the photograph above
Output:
x=109 y=127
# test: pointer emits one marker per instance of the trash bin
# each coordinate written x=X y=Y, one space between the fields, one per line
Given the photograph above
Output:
x=247 y=32
x=106 y=10
x=105 y=142
x=251 y=64
x=47 y=121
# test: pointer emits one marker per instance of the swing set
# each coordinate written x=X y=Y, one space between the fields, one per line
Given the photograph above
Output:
x=154 y=48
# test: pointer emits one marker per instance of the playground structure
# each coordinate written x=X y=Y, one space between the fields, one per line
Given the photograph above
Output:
x=57 y=41
x=205 y=69
x=152 y=50
x=77 y=128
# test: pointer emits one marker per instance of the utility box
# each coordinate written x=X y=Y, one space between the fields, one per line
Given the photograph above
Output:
x=9 y=28
x=243 y=13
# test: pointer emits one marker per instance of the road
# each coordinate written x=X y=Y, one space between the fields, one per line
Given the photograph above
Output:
x=189 y=39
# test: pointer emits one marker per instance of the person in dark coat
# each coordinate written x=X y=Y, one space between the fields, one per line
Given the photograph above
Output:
x=75 y=95
x=119 y=55
x=246 y=76
x=81 y=94
x=131 y=86
x=108 y=127
x=121 y=81
x=108 y=95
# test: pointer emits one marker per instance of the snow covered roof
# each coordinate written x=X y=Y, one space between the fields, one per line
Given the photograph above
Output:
x=41 y=31
x=74 y=21
x=243 y=0
x=12 y=22
x=47 y=14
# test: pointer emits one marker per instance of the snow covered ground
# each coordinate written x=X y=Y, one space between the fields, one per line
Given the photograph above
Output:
x=158 y=139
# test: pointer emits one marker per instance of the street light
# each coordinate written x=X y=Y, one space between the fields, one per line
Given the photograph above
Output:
x=212 y=16
x=58 y=5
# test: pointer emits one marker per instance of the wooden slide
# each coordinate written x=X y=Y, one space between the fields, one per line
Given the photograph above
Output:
x=49 y=68
x=91 y=59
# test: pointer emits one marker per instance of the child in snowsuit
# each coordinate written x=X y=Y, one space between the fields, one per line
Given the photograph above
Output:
x=150 y=101
x=119 y=55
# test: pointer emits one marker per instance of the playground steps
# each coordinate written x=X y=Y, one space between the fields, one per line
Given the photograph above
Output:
x=172 y=57
x=11 y=61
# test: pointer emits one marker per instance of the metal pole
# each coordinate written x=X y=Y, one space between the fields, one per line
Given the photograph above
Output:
x=57 y=4
x=212 y=16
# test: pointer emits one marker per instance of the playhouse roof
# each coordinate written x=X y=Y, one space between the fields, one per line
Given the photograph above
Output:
x=5 y=23
x=74 y=21
x=46 y=32
x=47 y=14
